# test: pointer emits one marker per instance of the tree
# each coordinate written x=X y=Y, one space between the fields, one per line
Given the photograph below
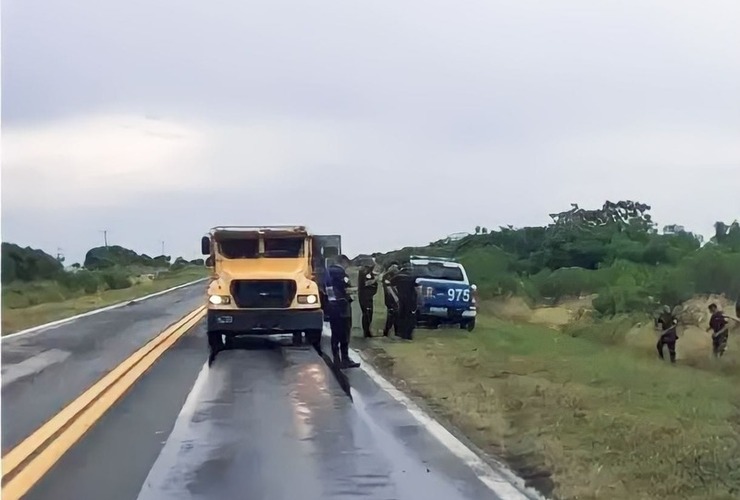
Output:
x=477 y=229
x=27 y=264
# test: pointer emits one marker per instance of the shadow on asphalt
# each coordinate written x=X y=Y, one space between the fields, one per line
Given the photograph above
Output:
x=274 y=344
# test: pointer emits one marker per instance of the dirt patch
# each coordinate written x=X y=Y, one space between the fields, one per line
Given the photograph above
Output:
x=555 y=316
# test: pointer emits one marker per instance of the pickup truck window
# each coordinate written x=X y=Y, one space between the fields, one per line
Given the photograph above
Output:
x=438 y=272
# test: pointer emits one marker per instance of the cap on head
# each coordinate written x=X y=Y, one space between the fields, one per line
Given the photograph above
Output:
x=712 y=306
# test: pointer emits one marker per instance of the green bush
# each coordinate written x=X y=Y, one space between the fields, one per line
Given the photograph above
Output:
x=623 y=299
x=116 y=280
x=80 y=281
x=572 y=282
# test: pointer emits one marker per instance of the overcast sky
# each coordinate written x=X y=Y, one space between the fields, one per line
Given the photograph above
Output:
x=389 y=122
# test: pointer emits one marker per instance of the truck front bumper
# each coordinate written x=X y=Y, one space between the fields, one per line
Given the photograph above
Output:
x=265 y=322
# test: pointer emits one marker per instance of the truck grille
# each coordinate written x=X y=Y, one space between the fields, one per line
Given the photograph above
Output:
x=263 y=294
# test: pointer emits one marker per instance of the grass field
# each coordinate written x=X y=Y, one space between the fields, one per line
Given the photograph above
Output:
x=14 y=320
x=577 y=418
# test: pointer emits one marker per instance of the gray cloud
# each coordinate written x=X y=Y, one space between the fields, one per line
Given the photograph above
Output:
x=422 y=118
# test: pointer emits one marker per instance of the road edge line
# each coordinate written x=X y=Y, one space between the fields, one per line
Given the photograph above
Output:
x=500 y=480
x=182 y=421
x=60 y=322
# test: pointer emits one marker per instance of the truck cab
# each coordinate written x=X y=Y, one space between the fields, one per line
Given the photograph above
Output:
x=265 y=281
x=444 y=292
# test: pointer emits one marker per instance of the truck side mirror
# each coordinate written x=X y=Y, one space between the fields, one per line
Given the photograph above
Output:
x=209 y=261
x=205 y=245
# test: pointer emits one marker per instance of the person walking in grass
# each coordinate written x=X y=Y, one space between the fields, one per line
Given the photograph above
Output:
x=719 y=327
x=668 y=324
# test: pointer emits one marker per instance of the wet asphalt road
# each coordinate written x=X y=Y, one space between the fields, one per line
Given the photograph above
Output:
x=45 y=370
x=264 y=422
x=275 y=424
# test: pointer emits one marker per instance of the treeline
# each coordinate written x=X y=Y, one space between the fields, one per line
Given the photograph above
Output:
x=615 y=252
x=31 y=276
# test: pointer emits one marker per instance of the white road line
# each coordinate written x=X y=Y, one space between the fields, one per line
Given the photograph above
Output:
x=172 y=446
x=64 y=321
x=32 y=365
x=502 y=482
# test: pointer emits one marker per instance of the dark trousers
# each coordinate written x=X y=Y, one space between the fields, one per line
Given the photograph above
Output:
x=391 y=320
x=406 y=323
x=719 y=344
x=367 y=306
x=340 y=331
x=668 y=340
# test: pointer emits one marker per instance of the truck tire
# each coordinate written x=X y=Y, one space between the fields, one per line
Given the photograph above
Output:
x=215 y=341
x=313 y=338
x=215 y=345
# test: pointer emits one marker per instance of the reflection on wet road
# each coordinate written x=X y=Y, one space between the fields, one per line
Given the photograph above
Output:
x=275 y=424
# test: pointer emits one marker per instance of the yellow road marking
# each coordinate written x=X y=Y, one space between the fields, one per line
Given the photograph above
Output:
x=68 y=426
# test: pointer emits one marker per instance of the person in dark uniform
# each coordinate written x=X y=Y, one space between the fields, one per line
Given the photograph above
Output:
x=667 y=323
x=720 y=328
x=339 y=311
x=367 y=287
x=405 y=285
x=391 y=300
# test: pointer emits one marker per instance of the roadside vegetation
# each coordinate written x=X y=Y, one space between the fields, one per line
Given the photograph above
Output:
x=37 y=288
x=561 y=379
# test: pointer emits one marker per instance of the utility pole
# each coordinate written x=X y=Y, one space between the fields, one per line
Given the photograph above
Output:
x=163 y=248
x=105 y=237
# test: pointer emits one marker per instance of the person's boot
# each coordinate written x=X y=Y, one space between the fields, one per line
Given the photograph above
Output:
x=348 y=363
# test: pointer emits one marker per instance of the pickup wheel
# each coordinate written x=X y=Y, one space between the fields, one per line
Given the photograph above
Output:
x=468 y=325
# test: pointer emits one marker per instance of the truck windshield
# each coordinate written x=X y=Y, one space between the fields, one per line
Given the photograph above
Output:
x=284 y=247
x=438 y=271
x=239 y=248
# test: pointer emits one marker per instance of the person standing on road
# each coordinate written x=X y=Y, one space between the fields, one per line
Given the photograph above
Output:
x=339 y=310
x=405 y=285
x=719 y=327
x=367 y=287
x=391 y=300
x=667 y=323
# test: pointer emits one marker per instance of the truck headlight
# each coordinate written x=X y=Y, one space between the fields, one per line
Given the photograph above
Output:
x=308 y=299
x=218 y=300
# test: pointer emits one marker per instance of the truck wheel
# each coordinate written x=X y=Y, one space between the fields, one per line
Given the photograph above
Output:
x=215 y=345
x=433 y=324
x=298 y=339
x=313 y=338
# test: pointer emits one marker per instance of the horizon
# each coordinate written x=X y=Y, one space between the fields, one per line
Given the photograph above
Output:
x=196 y=253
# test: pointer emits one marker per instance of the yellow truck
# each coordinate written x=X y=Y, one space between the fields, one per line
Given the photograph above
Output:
x=266 y=280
